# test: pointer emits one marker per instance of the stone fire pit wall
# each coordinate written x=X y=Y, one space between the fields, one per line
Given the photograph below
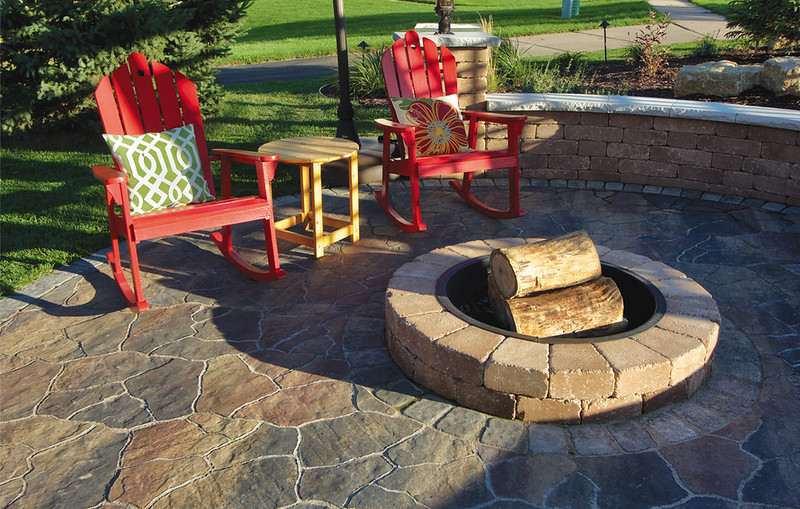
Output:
x=584 y=381
x=711 y=147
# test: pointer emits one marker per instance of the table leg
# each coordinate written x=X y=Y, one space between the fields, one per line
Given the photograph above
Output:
x=316 y=203
x=305 y=189
x=353 y=178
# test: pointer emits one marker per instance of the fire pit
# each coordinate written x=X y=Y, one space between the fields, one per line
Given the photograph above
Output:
x=440 y=333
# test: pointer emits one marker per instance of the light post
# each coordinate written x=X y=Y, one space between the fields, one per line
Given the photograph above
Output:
x=444 y=9
x=604 y=25
x=346 y=127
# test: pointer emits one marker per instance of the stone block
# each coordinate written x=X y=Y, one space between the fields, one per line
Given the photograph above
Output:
x=548 y=410
x=595 y=119
x=781 y=75
x=729 y=130
x=471 y=85
x=778 y=186
x=770 y=168
x=413 y=285
x=568 y=162
x=747 y=148
x=726 y=162
x=780 y=152
x=628 y=151
x=686 y=354
x=606 y=409
x=466 y=100
x=631 y=121
x=644 y=137
x=518 y=367
x=772 y=135
x=638 y=369
x=462 y=354
x=701 y=174
x=594 y=133
x=496 y=131
x=472 y=69
x=592 y=148
x=682 y=140
x=496 y=144
x=648 y=168
x=528 y=160
x=578 y=371
x=553 y=175
x=402 y=305
x=722 y=79
x=604 y=164
x=470 y=54
x=553 y=146
x=419 y=333
x=683 y=125
x=680 y=156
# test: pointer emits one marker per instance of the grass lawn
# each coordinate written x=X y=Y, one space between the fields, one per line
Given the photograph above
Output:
x=301 y=28
x=718 y=6
x=52 y=209
x=617 y=55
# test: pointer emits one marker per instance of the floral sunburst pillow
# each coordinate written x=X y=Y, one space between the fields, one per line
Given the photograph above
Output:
x=440 y=128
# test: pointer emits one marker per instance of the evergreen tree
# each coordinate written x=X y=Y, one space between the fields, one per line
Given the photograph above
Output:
x=53 y=52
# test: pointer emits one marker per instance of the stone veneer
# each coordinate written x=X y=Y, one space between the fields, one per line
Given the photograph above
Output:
x=542 y=382
x=710 y=147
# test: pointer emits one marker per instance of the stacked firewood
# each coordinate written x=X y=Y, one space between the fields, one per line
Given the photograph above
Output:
x=554 y=287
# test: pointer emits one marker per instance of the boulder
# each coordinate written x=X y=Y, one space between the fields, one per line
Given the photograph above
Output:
x=781 y=75
x=722 y=79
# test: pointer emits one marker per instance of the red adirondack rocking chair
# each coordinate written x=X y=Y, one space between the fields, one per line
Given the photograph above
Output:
x=414 y=68
x=142 y=96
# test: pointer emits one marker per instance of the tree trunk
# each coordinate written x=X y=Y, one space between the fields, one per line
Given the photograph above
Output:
x=547 y=265
x=587 y=306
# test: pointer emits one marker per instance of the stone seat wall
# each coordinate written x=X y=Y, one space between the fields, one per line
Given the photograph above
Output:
x=743 y=155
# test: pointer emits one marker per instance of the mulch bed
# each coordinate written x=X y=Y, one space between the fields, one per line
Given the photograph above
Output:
x=623 y=76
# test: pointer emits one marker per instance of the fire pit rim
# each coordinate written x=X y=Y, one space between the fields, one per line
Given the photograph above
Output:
x=447 y=303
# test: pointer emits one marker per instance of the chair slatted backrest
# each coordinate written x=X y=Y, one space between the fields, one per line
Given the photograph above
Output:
x=141 y=96
x=416 y=67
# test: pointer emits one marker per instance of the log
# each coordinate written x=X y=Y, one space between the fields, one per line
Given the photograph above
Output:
x=587 y=306
x=546 y=265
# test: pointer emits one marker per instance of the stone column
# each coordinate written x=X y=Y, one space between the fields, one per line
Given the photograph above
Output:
x=471 y=48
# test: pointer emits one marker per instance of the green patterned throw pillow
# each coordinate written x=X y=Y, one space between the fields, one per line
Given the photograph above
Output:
x=164 y=169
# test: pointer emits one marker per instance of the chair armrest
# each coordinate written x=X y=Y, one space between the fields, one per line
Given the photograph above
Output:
x=494 y=118
x=108 y=175
x=394 y=127
x=243 y=156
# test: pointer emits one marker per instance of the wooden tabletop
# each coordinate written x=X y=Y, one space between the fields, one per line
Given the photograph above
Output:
x=309 y=149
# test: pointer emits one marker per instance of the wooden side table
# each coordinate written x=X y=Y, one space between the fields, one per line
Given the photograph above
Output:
x=310 y=153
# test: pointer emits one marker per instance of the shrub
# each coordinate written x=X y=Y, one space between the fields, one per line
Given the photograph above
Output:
x=647 y=52
x=560 y=75
x=707 y=47
x=765 y=22
x=366 y=77
x=55 y=51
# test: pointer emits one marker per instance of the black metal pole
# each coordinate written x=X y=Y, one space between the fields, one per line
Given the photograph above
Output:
x=346 y=128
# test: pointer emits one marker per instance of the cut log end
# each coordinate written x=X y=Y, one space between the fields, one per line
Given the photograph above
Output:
x=547 y=265
x=591 y=305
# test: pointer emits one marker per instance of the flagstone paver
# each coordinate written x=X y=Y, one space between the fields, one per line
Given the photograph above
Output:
x=230 y=393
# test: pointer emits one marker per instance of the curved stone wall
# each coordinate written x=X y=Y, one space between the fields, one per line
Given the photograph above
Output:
x=549 y=382
x=711 y=147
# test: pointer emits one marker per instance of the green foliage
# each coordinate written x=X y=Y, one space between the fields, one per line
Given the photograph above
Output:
x=55 y=51
x=768 y=22
x=648 y=53
x=707 y=47
x=563 y=74
x=366 y=77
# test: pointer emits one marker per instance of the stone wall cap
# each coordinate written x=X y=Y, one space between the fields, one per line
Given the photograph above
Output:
x=471 y=39
x=653 y=106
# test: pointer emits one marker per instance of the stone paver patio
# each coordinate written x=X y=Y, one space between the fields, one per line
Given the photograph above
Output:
x=234 y=394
